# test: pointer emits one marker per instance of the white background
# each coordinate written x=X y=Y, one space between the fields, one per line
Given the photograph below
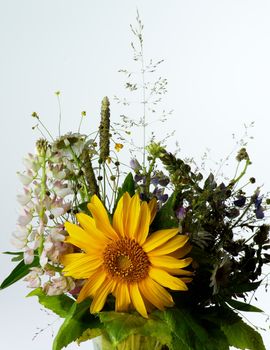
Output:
x=217 y=61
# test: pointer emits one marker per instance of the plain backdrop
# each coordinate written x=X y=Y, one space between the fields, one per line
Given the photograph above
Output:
x=217 y=62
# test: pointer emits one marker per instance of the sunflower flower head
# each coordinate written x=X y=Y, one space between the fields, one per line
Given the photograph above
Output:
x=123 y=259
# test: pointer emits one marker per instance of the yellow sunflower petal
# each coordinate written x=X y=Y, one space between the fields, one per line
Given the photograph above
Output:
x=118 y=218
x=122 y=297
x=70 y=258
x=83 y=267
x=92 y=285
x=137 y=299
x=80 y=238
x=179 y=272
x=158 y=238
x=169 y=262
x=153 y=208
x=173 y=244
x=155 y=294
x=126 y=203
x=143 y=227
x=101 y=218
x=179 y=253
x=133 y=217
x=100 y=296
x=88 y=224
x=166 y=280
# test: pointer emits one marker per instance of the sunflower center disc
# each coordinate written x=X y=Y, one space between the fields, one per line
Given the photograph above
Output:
x=125 y=259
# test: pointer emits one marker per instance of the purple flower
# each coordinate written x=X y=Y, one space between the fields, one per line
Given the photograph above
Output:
x=180 y=213
x=240 y=202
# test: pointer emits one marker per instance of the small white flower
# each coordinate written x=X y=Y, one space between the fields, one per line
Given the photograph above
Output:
x=31 y=162
x=28 y=256
x=56 y=212
x=25 y=218
x=33 y=278
x=62 y=190
x=25 y=179
x=43 y=260
x=24 y=198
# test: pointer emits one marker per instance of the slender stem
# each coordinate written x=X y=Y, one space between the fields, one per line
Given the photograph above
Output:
x=144 y=100
x=60 y=115
x=46 y=129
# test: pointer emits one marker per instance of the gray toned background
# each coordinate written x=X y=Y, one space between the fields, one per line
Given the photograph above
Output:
x=217 y=56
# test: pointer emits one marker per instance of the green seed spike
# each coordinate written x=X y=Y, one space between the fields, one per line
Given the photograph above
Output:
x=104 y=130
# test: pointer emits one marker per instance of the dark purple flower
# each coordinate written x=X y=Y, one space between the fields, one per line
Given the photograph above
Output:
x=240 y=202
x=135 y=165
x=180 y=213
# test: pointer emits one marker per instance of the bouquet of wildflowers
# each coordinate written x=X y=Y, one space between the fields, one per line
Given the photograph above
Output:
x=159 y=257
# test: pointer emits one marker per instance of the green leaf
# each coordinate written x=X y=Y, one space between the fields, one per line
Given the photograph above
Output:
x=128 y=186
x=187 y=333
x=239 y=305
x=20 y=271
x=83 y=207
x=237 y=332
x=59 y=304
x=165 y=217
x=88 y=334
x=120 y=325
x=245 y=287
x=18 y=255
x=242 y=336
x=77 y=321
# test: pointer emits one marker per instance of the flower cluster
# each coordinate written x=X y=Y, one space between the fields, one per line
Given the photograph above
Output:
x=159 y=243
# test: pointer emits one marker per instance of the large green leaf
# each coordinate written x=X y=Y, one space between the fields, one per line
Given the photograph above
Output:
x=77 y=321
x=59 y=304
x=237 y=332
x=187 y=333
x=20 y=271
x=242 y=336
x=120 y=325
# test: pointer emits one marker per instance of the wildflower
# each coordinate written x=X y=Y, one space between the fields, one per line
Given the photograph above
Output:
x=121 y=259
x=58 y=285
x=27 y=178
x=221 y=273
x=135 y=165
x=118 y=146
x=25 y=218
x=33 y=278
x=24 y=198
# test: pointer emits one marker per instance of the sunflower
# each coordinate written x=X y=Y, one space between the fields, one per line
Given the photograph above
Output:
x=123 y=259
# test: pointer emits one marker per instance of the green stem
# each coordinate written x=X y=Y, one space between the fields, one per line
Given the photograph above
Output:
x=234 y=181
